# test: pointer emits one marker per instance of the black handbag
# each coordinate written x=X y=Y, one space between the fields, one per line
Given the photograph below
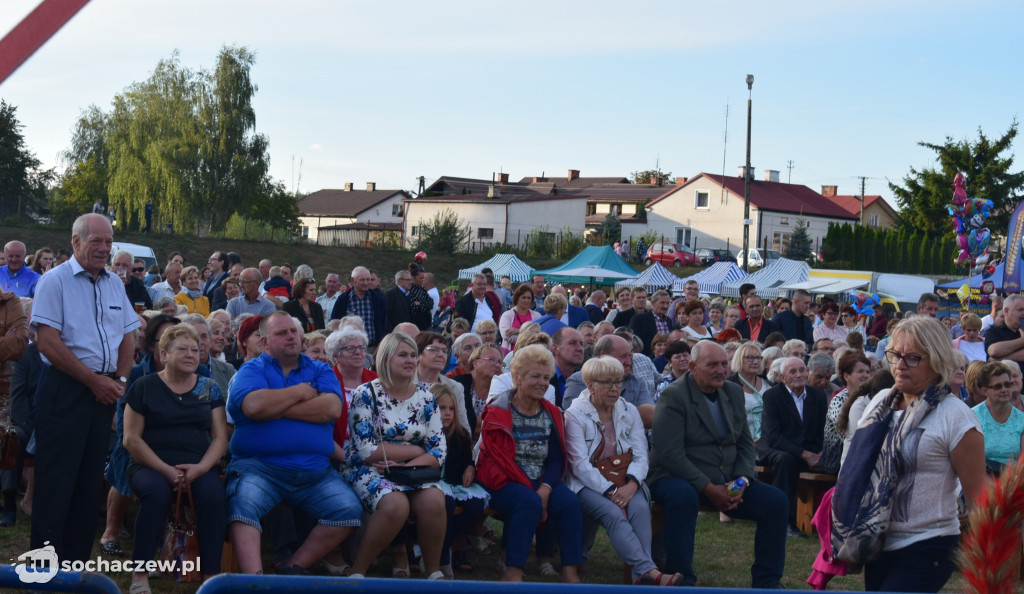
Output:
x=407 y=476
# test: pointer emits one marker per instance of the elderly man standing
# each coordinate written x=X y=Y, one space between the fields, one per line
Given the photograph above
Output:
x=648 y=324
x=250 y=301
x=634 y=389
x=399 y=308
x=1006 y=341
x=332 y=284
x=15 y=277
x=83 y=322
x=792 y=431
x=701 y=442
x=362 y=301
x=595 y=306
x=171 y=285
x=284 y=406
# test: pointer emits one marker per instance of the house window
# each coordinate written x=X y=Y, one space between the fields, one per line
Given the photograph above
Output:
x=414 y=231
x=874 y=220
x=396 y=209
x=304 y=231
x=780 y=241
x=683 y=235
x=701 y=200
x=783 y=220
x=485 y=233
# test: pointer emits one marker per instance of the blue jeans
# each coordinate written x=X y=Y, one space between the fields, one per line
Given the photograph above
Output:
x=255 y=487
x=921 y=567
x=762 y=503
x=521 y=508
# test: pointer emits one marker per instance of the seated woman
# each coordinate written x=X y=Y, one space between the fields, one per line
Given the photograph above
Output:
x=313 y=346
x=394 y=422
x=522 y=462
x=462 y=348
x=854 y=370
x=433 y=352
x=303 y=305
x=248 y=341
x=484 y=364
x=605 y=427
x=855 y=404
x=175 y=430
x=1001 y=423
x=192 y=297
x=521 y=311
x=1018 y=383
x=691 y=316
x=555 y=306
x=678 y=356
x=458 y=483
x=971 y=343
x=748 y=366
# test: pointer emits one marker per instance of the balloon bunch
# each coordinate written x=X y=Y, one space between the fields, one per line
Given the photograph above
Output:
x=864 y=302
x=972 y=236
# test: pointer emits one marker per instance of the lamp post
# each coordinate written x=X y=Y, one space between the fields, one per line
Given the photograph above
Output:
x=746 y=184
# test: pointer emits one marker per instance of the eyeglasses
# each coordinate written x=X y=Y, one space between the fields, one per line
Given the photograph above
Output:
x=609 y=383
x=491 y=360
x=911 y=360
x=354 y=349
x=436 y=350
x=1001 y=386
x=138 y=269
x=753 y=358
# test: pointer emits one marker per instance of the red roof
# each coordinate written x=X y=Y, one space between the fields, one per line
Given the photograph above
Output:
x=776 y=196
x=851 y=203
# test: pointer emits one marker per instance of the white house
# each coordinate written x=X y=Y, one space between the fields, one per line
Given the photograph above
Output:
x=345 y=215
x=707 y=211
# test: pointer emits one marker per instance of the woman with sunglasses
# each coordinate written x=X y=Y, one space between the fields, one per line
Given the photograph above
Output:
x=1001 y=423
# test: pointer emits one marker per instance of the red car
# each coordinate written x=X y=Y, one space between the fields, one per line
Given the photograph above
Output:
x=671 y=254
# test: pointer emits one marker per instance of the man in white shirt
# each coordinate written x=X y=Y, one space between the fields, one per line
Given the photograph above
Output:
x=327 y=300
x=428 y=285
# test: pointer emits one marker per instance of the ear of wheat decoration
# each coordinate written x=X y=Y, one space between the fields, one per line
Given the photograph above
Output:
x=990 y=550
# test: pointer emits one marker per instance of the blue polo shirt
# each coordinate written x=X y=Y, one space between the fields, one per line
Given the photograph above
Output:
x=286 y=442
x=22 y=283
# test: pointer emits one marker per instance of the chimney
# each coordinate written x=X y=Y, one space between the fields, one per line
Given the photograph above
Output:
x=348 y=187
x=493 y=191
x=502 y=178
x=538 y=180
x=829 y=191
x=574 y=174
x=371 y=186
x=739 y=173
x=681 y=181
x=771 y=175
x=657 y=180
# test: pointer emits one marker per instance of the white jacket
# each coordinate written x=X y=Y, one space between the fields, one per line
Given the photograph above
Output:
x=583 y=433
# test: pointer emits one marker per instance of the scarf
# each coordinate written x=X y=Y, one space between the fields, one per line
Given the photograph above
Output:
x=863 y=498
x=194 y=294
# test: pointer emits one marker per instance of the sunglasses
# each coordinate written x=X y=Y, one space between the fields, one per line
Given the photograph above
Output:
x=138 y=269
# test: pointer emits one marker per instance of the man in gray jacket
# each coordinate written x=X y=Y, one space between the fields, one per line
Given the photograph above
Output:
x=701 y=442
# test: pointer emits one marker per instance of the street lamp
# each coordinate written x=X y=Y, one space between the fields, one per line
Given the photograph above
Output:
x=746 y=184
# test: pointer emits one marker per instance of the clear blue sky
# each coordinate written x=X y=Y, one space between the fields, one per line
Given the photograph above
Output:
x=389 y=91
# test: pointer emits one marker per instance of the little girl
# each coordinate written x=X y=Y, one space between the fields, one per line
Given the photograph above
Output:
x=458 y=476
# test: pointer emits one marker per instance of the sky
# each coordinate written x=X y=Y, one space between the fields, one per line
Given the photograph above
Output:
x=387 y=92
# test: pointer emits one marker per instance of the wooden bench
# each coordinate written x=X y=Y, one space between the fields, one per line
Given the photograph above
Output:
x=809 y=488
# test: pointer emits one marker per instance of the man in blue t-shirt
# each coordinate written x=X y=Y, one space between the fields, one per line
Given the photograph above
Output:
x=284 y=406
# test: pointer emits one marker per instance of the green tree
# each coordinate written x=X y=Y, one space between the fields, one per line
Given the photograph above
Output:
x=610 y=230
x=80 y=187
x=799 y=247
x=925 y=193
x=445 y=233
x=650 y=175
x=23 y=181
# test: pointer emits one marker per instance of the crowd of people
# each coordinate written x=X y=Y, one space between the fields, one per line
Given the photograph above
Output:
x=348 y=420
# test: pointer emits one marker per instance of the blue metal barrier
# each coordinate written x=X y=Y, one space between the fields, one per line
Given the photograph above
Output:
x=233 y=582
x=72 y=581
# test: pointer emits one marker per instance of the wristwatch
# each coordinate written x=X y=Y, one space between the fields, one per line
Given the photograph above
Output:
x=122 y=379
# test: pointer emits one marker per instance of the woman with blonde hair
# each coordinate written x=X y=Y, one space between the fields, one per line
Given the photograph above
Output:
x=393 y=421
x=971 y=343
x=748 y=367
x=192 y=295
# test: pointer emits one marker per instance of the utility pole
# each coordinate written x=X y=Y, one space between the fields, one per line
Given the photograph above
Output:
x=863 y=181
x=789 y=177
x=746 y=183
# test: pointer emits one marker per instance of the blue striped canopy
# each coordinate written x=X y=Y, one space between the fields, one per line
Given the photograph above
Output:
x=502 y=265
x=654 y=278
x=711 y=278
x=769 y=279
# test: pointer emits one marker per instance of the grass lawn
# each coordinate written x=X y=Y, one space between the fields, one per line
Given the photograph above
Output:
x=723 y=556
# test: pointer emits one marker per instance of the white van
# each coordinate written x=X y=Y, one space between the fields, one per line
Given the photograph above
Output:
x=143 y=252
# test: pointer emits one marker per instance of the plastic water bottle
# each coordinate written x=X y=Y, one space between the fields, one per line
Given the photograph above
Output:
x=736 y=487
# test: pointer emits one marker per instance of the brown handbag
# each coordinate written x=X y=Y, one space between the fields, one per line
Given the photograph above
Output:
x=181 y=543
x=614 y=468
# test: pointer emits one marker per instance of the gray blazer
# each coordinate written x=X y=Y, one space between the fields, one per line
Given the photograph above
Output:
x=685 y=439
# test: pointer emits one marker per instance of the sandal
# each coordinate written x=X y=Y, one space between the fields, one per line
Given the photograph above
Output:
x=725 y=518
x=343 y=569
x=112 y=548
x=659 y=579
x=548 y=570
x=437 y=575
x=400 y=572
x=139 y=588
